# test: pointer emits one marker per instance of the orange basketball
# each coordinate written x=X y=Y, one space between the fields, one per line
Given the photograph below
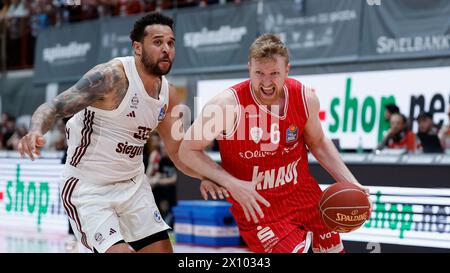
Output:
x=344 y=207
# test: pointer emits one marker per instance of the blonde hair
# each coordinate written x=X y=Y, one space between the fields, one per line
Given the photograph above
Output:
x=267 y=46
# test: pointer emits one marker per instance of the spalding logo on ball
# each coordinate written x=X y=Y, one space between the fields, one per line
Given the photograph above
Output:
x=344 y=207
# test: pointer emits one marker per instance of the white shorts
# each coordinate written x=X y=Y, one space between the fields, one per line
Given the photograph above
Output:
x=102 y=215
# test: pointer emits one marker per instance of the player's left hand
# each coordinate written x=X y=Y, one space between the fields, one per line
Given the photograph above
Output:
x=207 y=186
x=31 y=144
x=367 y=191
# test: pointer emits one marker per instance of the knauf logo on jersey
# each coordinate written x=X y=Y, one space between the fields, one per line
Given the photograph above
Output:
x=70 y=51
x=274 y=178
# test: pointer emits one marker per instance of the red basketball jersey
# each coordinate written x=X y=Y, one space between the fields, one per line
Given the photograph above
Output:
x=271 y=149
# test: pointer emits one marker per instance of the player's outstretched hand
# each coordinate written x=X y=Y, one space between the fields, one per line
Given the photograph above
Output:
x=244 y=192
x=207 y=186
x=31 y=144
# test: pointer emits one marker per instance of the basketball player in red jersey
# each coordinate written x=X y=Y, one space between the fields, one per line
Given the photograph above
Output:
x=263 y=147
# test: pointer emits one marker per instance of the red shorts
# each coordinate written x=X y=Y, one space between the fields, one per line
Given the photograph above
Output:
x=294 y=235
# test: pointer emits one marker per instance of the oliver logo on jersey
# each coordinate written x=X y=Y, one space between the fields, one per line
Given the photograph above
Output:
x=291 y=133
x=162 y=113
x=256 y=154
x=274 y=178
x=289 y=149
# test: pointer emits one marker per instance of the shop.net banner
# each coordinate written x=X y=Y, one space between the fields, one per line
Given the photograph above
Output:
x=406 y=216
x=352 y=104
x=30 y=196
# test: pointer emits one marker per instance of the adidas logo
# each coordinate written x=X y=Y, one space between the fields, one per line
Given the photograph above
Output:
x=112 y=231
x=131 y=114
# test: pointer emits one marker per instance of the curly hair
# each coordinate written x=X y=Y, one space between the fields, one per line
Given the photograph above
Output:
x=154 y=18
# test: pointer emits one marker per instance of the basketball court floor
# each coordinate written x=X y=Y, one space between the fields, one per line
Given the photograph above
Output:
x=13 y=241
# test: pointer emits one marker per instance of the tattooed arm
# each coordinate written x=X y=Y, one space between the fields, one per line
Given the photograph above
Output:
x=103 y=81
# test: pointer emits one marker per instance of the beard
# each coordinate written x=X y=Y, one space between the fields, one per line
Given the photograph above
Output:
x=153 y=68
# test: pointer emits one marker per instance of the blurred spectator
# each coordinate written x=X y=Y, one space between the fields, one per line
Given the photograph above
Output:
x=427 y=135
x=154 y=156
x=41 y=16
x=75 y=13
x=56 y=138
x=149 y=5
x=13 y=141
x=7 y=127
x=186 y=3
x=130 y=7
x=134 y=7
x=89 y=10
x=17 y=10
x=4 y=10
x=398 y=135
x=390 y=109
x=426 y=125
x=21 y=20
x=162 y=5
x=444 y=133
x=107 y=8
x=163 y=183
x=17 y=28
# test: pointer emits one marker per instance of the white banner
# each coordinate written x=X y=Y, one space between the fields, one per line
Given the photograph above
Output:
x=29 y=200
x=406 y=216
x=352 y=104
x=30 y=196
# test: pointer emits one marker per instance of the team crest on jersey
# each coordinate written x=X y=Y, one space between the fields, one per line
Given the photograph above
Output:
x=162 y=113
x=157 y=216
x=99 y=238
x=256 y=134
x=134 y=101
x=291 y=133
